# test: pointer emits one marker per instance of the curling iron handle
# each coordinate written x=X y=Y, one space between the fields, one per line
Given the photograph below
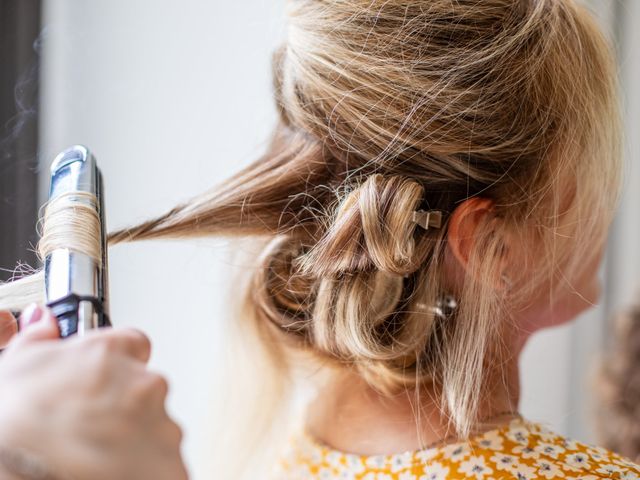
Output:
x=78 y=314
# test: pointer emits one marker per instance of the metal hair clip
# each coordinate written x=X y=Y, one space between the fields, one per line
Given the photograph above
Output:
x=427 y=219
x=445 y=306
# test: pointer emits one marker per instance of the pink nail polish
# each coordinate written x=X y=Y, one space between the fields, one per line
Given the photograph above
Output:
x=30 y=315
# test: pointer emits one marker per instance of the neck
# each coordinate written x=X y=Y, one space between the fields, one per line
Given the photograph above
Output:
x=350 y=416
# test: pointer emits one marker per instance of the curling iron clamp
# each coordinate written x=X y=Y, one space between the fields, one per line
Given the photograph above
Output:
x=75 y=283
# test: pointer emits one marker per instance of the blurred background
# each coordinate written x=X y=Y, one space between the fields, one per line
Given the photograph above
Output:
x=173 y=97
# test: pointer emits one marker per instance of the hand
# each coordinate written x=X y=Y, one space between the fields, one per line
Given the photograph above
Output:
x=8 y=327
x=87 y=406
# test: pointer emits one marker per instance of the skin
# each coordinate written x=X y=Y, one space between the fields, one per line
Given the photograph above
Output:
x=8 y=327
x=102 y=418
x=350 y=416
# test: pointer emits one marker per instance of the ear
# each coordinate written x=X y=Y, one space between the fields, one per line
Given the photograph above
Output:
x=463 y=229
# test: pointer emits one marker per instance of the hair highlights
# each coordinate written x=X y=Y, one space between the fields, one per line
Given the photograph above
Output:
x=395 y=105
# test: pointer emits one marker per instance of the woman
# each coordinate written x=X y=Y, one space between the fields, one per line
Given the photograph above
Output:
x=439 y=187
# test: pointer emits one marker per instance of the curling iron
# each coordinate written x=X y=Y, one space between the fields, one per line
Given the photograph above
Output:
x=75 y=283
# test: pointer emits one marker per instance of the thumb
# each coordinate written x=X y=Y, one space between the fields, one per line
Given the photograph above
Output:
x=37 y=323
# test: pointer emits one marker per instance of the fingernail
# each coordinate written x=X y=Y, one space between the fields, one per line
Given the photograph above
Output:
x=30 y=315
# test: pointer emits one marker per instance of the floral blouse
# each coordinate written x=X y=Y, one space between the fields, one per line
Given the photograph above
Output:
x=520 y=450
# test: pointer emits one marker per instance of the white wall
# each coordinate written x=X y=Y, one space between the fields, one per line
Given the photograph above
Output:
x=559 y=365
x=173 y=97
x=624 y=252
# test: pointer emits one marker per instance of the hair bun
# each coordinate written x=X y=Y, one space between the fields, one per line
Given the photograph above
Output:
x=372 y=228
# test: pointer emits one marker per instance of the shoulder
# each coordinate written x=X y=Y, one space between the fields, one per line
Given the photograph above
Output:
x=526 y=450
x=521 y=450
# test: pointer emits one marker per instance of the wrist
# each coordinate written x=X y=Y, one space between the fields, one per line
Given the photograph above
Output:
x=25 y=450
x=18 y=461
x=7 y=474
x=19 y=464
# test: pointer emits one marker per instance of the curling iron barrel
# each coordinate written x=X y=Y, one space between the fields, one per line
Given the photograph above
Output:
x=75 y=282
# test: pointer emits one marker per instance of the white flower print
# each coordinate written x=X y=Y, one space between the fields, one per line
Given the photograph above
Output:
x=609 y=469
x=491 y=440
x=569 y=444
x=316 y=455
x=475 y=467
x=542 y=429
x=347 y=475
x=524 y=451
x=546 y=434
x=518 y=434
x=435 y=471
x=334 y=458
x=596 y=456
x=597 y=452
x=524 y=472
x=548 y=449
x=305 y=473
x=618 y=460
x=376 y=461
x=577 y=461
x=354 y=463
x=426 y=455
x=326 y=474
x=377 y=476
x=401 y=462
x=407 y=476
x=456 y=451
x=549 y=470
x=504 y=461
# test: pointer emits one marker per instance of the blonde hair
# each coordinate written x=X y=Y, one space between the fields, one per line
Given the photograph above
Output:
x=390 y=106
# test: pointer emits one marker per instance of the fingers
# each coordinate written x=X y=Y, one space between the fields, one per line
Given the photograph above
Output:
x=128 y=341
x=30 y=315
x=8 y=327
x=36 y=324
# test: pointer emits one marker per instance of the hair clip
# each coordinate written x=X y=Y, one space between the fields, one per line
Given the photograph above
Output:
x=444 y=307
x=431 y=218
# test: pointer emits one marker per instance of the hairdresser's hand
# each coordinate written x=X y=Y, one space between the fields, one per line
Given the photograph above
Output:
x=8 y=327
x=87 y=406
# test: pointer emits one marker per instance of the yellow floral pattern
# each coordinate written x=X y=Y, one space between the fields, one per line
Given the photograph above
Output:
x=521 y=450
